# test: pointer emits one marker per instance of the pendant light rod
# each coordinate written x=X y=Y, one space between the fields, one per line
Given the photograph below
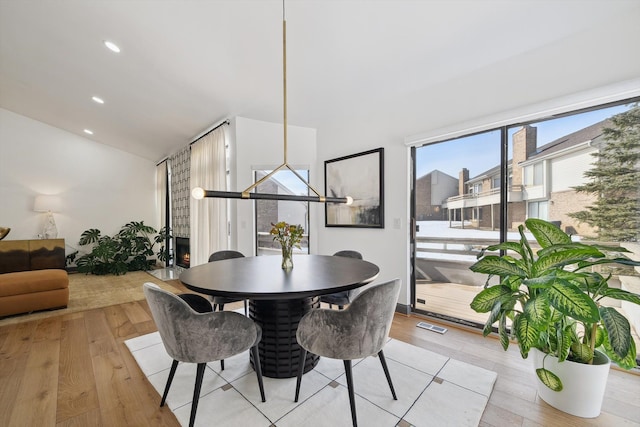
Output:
x=267 y=196
x=199 y=193
x=284 y=83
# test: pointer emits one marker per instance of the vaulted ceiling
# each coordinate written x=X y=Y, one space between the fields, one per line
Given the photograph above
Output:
x=397 y=67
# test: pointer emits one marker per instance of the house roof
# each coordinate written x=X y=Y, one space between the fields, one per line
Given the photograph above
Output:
x=589 y=133
x=586 y=134
x=438 y=171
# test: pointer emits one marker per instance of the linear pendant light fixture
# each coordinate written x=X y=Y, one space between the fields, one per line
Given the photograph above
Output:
x=199 y=193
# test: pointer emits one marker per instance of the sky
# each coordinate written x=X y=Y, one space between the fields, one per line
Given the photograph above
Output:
x=287 y=178
x=481 y=152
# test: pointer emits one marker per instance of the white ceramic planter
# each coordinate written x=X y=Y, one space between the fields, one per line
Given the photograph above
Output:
x=583 y=385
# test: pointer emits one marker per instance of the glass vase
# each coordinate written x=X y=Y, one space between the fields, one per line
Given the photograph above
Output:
x=287 y=260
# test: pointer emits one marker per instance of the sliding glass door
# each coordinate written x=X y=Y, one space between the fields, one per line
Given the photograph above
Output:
x=457 y=212
x=580 y=171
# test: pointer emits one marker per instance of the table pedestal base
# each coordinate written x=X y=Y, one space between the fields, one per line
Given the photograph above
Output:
x=279 y=350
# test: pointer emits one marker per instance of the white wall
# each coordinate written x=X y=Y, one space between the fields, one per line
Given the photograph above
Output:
x=568 y=171
x=100 y=187
x=388 y=247
x=259 y=145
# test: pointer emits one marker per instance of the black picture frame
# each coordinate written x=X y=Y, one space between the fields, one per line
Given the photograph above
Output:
x=360 y=176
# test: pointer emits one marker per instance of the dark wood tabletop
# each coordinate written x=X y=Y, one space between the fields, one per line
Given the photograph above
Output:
x=261 y=277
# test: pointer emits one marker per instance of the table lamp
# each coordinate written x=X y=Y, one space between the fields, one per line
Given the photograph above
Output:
x=48 y=204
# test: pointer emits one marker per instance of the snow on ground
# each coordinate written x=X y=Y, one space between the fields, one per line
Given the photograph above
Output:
x=441 y=229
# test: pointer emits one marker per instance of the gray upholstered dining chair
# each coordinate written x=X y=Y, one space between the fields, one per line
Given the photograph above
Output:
x=359 y=331
x=193 y=337
x=219 y=302
x=341 y=298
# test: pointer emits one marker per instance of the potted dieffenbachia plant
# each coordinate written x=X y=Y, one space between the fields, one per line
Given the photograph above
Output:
x=550 y=301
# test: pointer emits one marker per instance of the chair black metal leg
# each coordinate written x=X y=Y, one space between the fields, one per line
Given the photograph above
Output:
x=258 y=369
x=196 y=392
x=222 y=365
x=303 y=357
x=220 y=307
x=386 y=373
x=246 y=309
x=172 y=372
x=352 y=398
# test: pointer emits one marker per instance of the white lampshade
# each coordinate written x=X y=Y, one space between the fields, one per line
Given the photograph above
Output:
x=46 y=203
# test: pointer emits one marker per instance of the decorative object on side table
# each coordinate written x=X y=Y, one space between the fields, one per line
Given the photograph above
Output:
x=48 y=204
x=554 y=299
x=3 y=232
x=289 y=236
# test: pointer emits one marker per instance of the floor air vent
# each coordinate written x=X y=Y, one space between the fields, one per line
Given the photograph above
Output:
x=434 y=328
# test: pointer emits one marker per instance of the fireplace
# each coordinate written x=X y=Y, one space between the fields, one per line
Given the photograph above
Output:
x=182 y=252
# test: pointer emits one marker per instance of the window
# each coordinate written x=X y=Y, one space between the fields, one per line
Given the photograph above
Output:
x=271 y=211
x=569 y=170
x=495 y=182
x=534 y=174
x=538 y=210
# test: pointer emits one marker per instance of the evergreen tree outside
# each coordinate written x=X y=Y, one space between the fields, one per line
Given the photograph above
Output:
x=615 y=181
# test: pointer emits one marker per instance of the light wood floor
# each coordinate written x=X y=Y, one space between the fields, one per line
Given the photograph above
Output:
x=74 y=370
x=450 y=299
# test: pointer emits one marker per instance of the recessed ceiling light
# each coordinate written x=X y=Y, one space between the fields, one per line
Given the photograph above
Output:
x=98 y=100
x=112 y=46
x=88 y=132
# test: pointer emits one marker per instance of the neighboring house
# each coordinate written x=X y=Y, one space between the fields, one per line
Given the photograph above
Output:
x=272 y=211
x=541 y=182
x=432 y=190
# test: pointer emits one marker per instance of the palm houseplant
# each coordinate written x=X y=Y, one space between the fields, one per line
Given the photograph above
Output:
x=550 y=302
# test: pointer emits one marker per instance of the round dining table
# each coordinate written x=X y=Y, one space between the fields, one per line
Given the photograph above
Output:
x=278 y=299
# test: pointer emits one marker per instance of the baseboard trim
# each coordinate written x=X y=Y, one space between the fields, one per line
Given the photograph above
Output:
x=403 y=308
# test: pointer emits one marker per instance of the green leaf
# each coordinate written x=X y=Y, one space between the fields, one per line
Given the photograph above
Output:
x=503 y=333
x=504 y=246
x=526 y=333
x=542 y=282
x=498 y=266
x=496 y=313
x=627 y=362
x=581 y=352
x=618 y=330
x=512 y=282
x=621 y=261
x=546 y=234
x=549 y=379
x=89 y=236
x=623 y=295
x=537 y=310
x=571 y=301
x=564 y=257
x=562 y=247
x=564 y=341
x=487 y=298
x=601 y=336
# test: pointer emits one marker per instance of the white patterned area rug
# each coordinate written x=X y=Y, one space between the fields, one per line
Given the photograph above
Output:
x=432 y=390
